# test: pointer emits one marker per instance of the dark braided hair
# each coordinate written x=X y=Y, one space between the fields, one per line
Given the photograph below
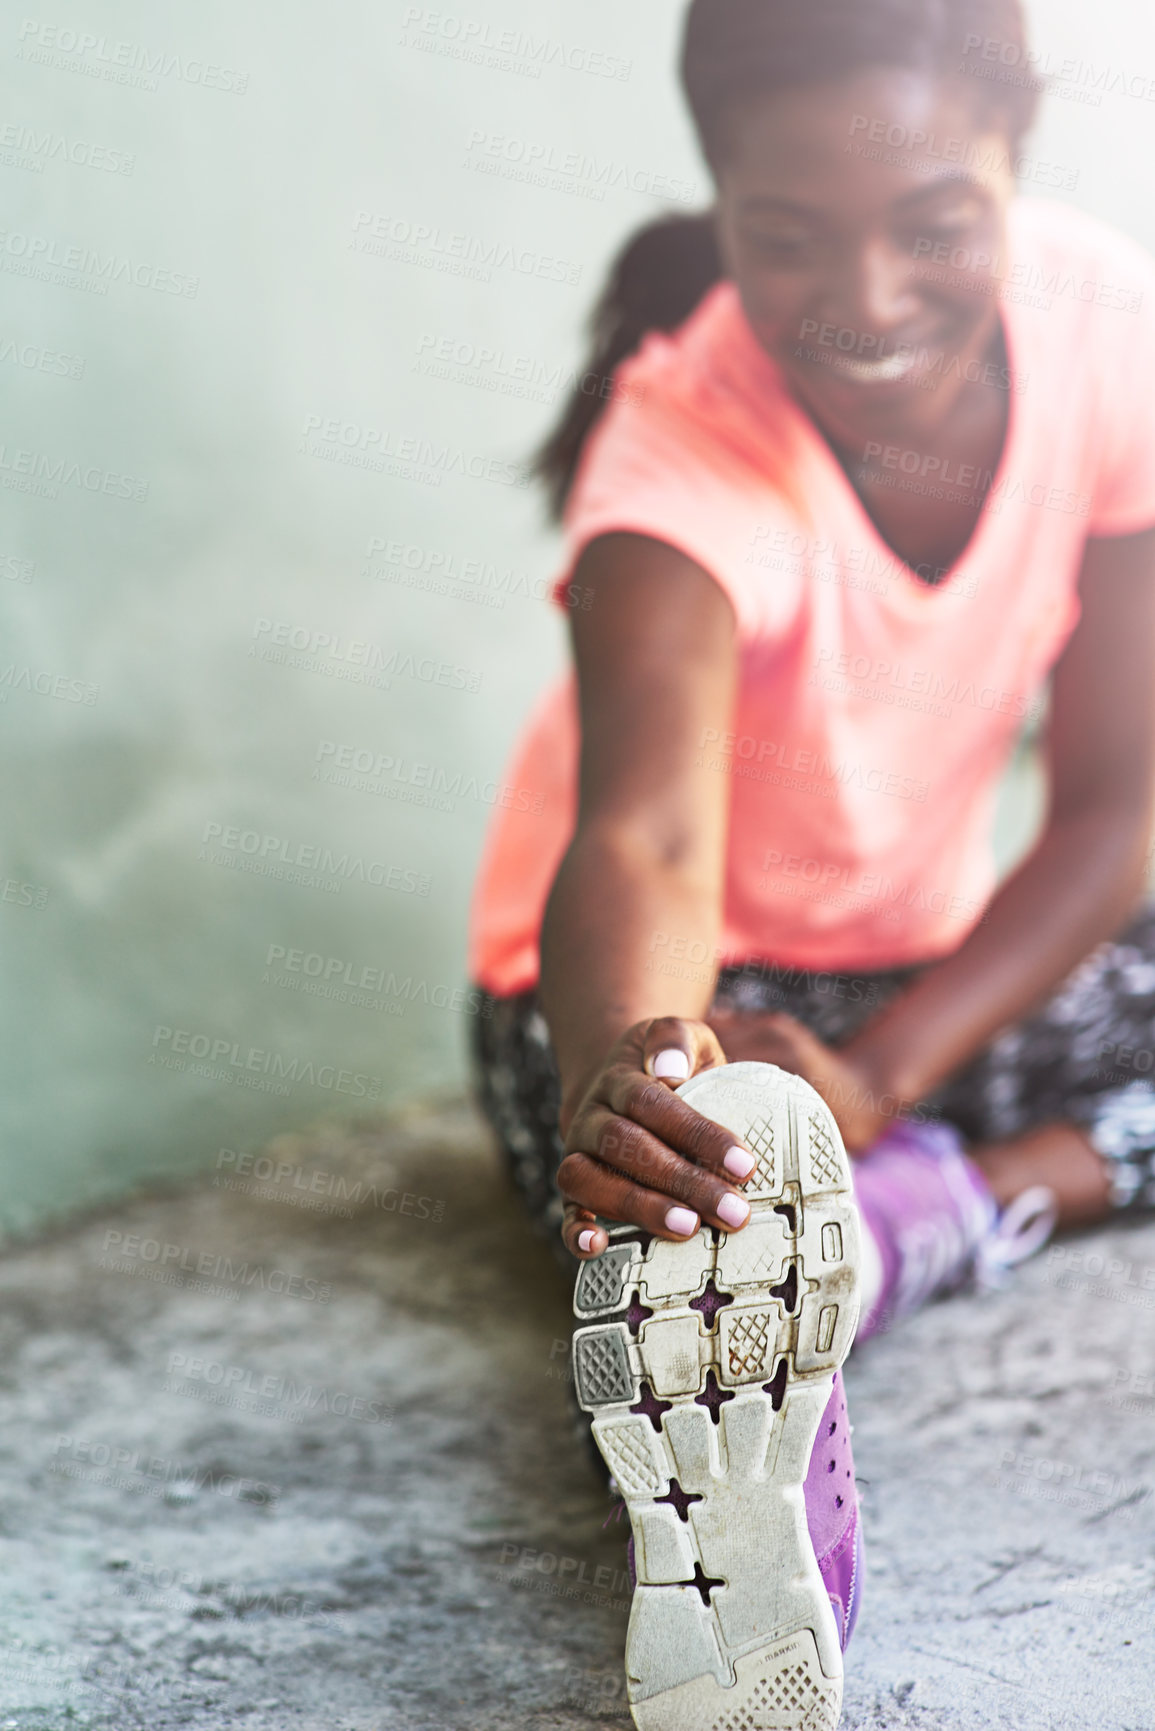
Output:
x=738 y=51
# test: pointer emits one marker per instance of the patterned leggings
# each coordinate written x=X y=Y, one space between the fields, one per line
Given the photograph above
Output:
x=1087 y=1056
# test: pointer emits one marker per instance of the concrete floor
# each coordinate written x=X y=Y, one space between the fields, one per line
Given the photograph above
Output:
x=268 y=1466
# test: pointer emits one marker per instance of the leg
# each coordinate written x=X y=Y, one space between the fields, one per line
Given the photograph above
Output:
x=1059 y=1156
x=1063 y=1098
x=516 y=1081
x=517 y=1087
x=711 y=1369
x=1036 y=1131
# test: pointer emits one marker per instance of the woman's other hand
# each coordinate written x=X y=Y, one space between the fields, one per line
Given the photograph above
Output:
x=861 y=1110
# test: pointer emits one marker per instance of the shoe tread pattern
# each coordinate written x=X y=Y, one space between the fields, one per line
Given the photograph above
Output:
x=763 y=1653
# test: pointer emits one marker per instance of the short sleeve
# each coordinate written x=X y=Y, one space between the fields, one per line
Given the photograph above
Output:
x=1123 y=327
x=654 y=467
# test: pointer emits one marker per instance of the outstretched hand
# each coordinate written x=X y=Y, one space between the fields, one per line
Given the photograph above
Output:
x=638 y=1154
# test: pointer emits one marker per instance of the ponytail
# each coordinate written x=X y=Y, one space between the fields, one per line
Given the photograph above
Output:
x=655 y=283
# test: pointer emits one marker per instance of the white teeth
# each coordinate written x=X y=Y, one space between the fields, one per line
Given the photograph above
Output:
x=877 y=372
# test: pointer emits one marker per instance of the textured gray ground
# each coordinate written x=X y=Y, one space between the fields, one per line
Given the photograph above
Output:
x=172 y=1560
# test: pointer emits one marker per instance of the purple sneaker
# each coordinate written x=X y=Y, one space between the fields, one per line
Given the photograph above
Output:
x=711 y=1368
x=932 y=1224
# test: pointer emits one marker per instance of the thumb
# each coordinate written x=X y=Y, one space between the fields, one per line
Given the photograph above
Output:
x=674 y=1050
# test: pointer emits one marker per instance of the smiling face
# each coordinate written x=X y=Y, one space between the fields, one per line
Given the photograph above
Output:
x=834 y=203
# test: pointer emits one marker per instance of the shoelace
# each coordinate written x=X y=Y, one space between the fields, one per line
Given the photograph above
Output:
x=1022 y=1228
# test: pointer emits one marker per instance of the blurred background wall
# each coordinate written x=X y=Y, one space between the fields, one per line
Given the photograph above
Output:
x=289 y=293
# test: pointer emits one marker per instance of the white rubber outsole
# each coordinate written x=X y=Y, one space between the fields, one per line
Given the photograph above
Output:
x=730 y=1627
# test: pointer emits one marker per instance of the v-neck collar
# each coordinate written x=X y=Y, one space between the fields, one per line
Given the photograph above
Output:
x=753 y=375
x=976 y=540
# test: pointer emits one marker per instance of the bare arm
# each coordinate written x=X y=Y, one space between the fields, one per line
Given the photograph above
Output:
x=656 y=665
x=1086 y=872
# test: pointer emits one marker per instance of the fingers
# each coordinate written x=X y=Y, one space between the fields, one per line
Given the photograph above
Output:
x=641 y=1155
x=616 y=1196
x=674 y=1050
x=632 y=1174
x=581 y=1233
x=638 y=1101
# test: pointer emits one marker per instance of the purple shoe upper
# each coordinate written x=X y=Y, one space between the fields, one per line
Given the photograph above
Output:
x=928 y=1209
x=831 y=1514
x=832 y=1511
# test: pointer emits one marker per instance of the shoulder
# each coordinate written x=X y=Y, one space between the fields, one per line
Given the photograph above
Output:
x=701 y=403
x=669 y=360
x=692 y=451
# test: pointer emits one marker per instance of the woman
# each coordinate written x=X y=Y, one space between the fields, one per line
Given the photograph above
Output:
x=878 y=462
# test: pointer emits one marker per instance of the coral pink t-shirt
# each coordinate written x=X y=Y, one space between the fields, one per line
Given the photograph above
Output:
x=876 y=712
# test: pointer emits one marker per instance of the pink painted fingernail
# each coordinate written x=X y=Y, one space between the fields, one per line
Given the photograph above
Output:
x=734 y=1210
x=739 y=1163
x=586 y=1240
x=682 y=1221
x=671 y=1065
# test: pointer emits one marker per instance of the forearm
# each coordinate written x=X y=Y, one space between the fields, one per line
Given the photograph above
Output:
x=610 y=907
x=1074 y=890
